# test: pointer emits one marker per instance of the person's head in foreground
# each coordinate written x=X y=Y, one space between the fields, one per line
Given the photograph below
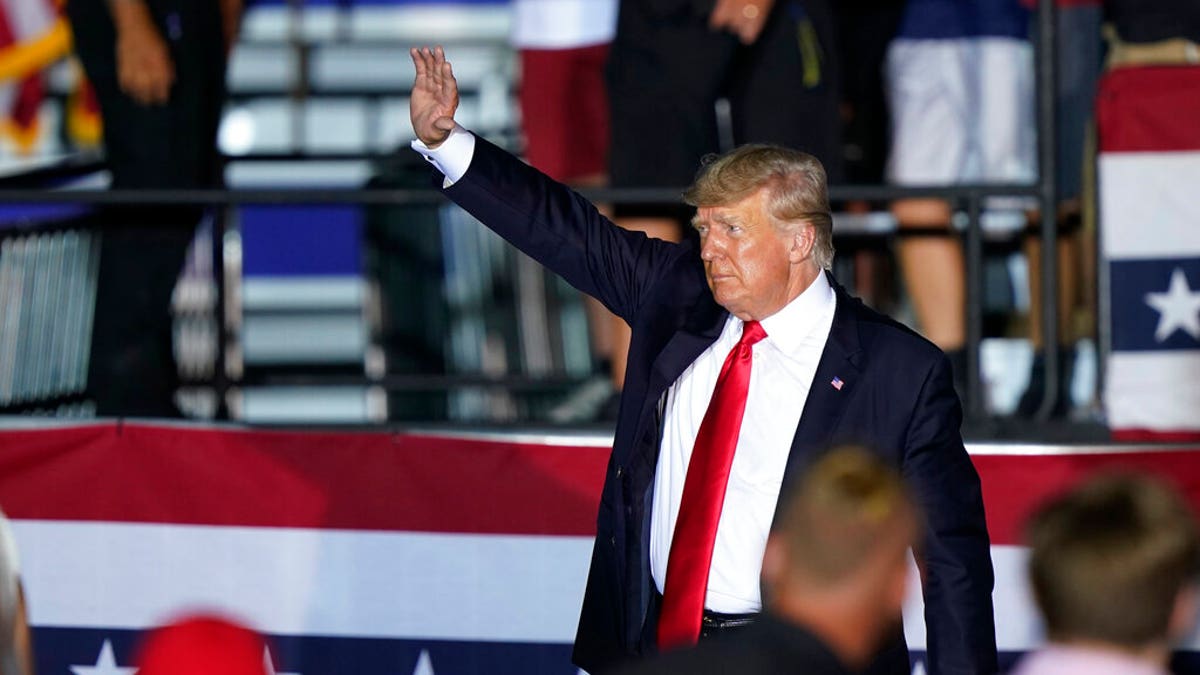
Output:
x=836 y=563
x=1114 y=565
x=202 y=645
x=16 y=653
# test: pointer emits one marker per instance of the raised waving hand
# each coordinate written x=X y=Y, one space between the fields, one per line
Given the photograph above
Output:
x=434 y=96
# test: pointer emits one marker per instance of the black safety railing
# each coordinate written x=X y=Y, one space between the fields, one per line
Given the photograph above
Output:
x=970 y=199
x=1045 y=58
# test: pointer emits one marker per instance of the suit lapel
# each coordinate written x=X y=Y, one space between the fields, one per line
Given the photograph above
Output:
x=838 y=375
x=700 y=329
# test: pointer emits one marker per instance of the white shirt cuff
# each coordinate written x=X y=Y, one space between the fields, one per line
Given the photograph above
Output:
x=452 y=157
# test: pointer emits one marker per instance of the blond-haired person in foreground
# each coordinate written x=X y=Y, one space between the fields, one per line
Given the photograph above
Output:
x=1114 y=568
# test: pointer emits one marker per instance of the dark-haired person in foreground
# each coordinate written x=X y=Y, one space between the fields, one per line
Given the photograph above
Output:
x=834 y=572
x=1114 y=566
x=746 y=360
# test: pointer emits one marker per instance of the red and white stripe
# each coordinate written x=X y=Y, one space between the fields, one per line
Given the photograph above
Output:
x=385 y=535
x=1148 y=169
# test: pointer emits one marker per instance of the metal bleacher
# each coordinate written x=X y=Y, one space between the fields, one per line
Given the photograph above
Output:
x=316 y=120
x=317 y=95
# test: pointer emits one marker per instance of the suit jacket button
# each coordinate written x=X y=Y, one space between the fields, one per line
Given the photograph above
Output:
x=612 y=541
x=620 y=470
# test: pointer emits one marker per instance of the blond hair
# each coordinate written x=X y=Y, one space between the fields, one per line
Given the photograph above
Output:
x=796 y=181
x=847 y=506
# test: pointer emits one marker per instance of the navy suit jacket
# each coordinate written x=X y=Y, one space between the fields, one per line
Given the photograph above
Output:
x=897 y=396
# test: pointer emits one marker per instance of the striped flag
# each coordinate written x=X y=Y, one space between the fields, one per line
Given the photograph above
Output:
x=355 y=553
x=1150 y=221
x=382 y=553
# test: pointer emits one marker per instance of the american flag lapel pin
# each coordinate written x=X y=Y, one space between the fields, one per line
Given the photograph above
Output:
x=837 y=383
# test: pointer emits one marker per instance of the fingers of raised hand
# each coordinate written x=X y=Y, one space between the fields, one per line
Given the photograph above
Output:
x=422 y=63
x=433 y=70
x=418 y=62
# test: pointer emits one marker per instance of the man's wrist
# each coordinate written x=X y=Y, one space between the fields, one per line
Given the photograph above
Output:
x=130 y=15
x=452 y=156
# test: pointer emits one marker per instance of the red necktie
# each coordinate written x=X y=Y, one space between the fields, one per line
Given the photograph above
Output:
x=703 y=496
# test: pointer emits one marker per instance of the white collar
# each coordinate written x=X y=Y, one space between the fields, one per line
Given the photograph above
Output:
x=792 y=327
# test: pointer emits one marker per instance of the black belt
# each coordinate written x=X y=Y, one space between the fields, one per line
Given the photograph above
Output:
x=713 y=624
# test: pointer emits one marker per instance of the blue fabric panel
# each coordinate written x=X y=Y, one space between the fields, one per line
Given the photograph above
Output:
x=1134 y=321
x=950 y=19
x=301 y=240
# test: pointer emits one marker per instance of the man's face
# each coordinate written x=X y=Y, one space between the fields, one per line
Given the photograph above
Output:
x=747 y=260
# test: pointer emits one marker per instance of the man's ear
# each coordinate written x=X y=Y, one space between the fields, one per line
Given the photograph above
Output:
x=804 y=238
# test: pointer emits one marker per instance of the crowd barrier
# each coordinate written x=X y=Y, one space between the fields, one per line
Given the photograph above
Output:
x=397 y=552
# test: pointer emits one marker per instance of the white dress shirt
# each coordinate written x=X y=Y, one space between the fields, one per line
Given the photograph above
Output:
x=453 y=157
x=783 y=368
x=782 y=372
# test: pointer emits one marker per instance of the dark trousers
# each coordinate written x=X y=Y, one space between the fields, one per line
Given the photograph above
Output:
x=667 y=69
x=132 y=369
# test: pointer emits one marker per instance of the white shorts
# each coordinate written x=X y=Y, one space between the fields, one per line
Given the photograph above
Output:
x=962 y=111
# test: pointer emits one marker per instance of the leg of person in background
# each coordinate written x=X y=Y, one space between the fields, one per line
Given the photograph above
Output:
x=667 y=229
x=1068 y=275
x=665 y=72
x=608 y=332
x=1079 y=61
x=864 y=29
x=132 y=367
x=930 y=94
x=565 y=122
x=933 y=271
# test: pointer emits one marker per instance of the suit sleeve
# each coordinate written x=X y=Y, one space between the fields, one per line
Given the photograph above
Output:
x=957 y=576
x=561 y=230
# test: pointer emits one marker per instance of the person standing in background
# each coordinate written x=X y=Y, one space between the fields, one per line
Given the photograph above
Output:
x=719 y=74
x=959 y=80
x=158 y=70
x=562 y=47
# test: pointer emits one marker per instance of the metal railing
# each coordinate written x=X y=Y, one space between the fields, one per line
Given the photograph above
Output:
x=969 y=198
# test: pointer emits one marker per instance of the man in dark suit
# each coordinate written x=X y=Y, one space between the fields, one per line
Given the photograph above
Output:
x=834 y=573
x=747 y=358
